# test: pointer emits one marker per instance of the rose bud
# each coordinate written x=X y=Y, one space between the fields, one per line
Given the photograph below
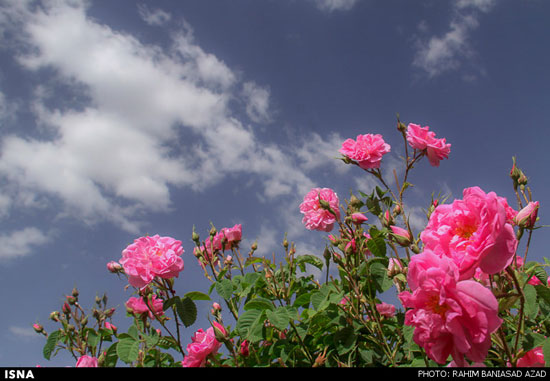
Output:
x=527 y=217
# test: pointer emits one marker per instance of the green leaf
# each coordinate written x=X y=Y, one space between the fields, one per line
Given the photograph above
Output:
x=344 y=340
x=377 y=246
x=224 y=288
x=250 y=325
x=187 y=311
x=111 y=356
x=379 y=275
x=259 y=304
x=51 y=342
x=252 y=261
x=531 y=306
x=196 y=295
x=302 y=300
x=546 y=351
x=301 y=260
x=280 y=318
x=127 y=350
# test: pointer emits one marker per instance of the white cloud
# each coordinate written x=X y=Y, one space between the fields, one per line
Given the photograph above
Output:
x=154 y=119
x=25 y=333
x=257 y=102
x=20 y=242
x=440 y=54
x=335 y=5
x=155 y=17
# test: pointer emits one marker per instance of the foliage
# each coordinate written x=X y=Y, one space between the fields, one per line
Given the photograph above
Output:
x=281 y=314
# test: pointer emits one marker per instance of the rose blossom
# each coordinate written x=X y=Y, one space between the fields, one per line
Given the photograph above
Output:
x=451 y=316
x=232 y=235
x=422 y=139
x=385 y=309
x=473 y=232
x=367 y=150
x=137 y=306
x=316 y=217
x=86 y=362
x=152 y=256
x=533 y=358
x=202 y=344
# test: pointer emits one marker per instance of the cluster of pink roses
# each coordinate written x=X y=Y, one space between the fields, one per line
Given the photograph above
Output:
x=225 y=239
x=141 y=306
x=464 y=242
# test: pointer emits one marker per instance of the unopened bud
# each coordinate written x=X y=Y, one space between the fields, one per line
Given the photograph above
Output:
x=66 y=308
x=54 y=316
x=527 y=216
x=195 y=237
x=114 y=267
x=74 y=292
x=213 y=231
x=401 y=236
x=254 y=246
x=358 y=218
x=219 y=332
x=38 y=328
x=71 y=299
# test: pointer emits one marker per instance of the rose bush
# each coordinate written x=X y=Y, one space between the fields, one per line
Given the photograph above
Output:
x=463 y=294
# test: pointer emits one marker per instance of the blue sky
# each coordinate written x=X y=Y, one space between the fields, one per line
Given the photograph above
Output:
x=120 y=119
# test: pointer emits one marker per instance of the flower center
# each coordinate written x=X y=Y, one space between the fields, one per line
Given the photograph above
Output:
x=436 y=307
x=465 y=231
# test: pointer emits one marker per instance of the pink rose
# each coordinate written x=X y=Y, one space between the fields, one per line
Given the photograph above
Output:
x=533 y=358
x=86 y=362
x=367 y=150
x=422 y=139
x=527 y=216
x=232 y=235
x=202 y=344
x=149 y=257
x=402 y=236
x=474 y=232
x=317 y=217
x=358 y=218
x=385 y=309
x=450 y=316
x=245 y=348
x=138 y=306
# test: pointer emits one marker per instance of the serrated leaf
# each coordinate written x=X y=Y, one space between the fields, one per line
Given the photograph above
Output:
x=280 y=318
x=111 y=356
x=51 y=342
x=224 y=288
x=187 y=311
x=301 y=260
x=546 y=352
x=302 y=300
x=377 y=246
x=259 y=304
x=127 y=350
x=197 y=295
x=379 y=274
x=344 y=340
x=531 y=306
x=250 y=324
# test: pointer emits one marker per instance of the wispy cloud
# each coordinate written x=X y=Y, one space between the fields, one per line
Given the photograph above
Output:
x=21 y=242
x=149 y=119
x=154 y=17
x=335 y=5
x=438 y=54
